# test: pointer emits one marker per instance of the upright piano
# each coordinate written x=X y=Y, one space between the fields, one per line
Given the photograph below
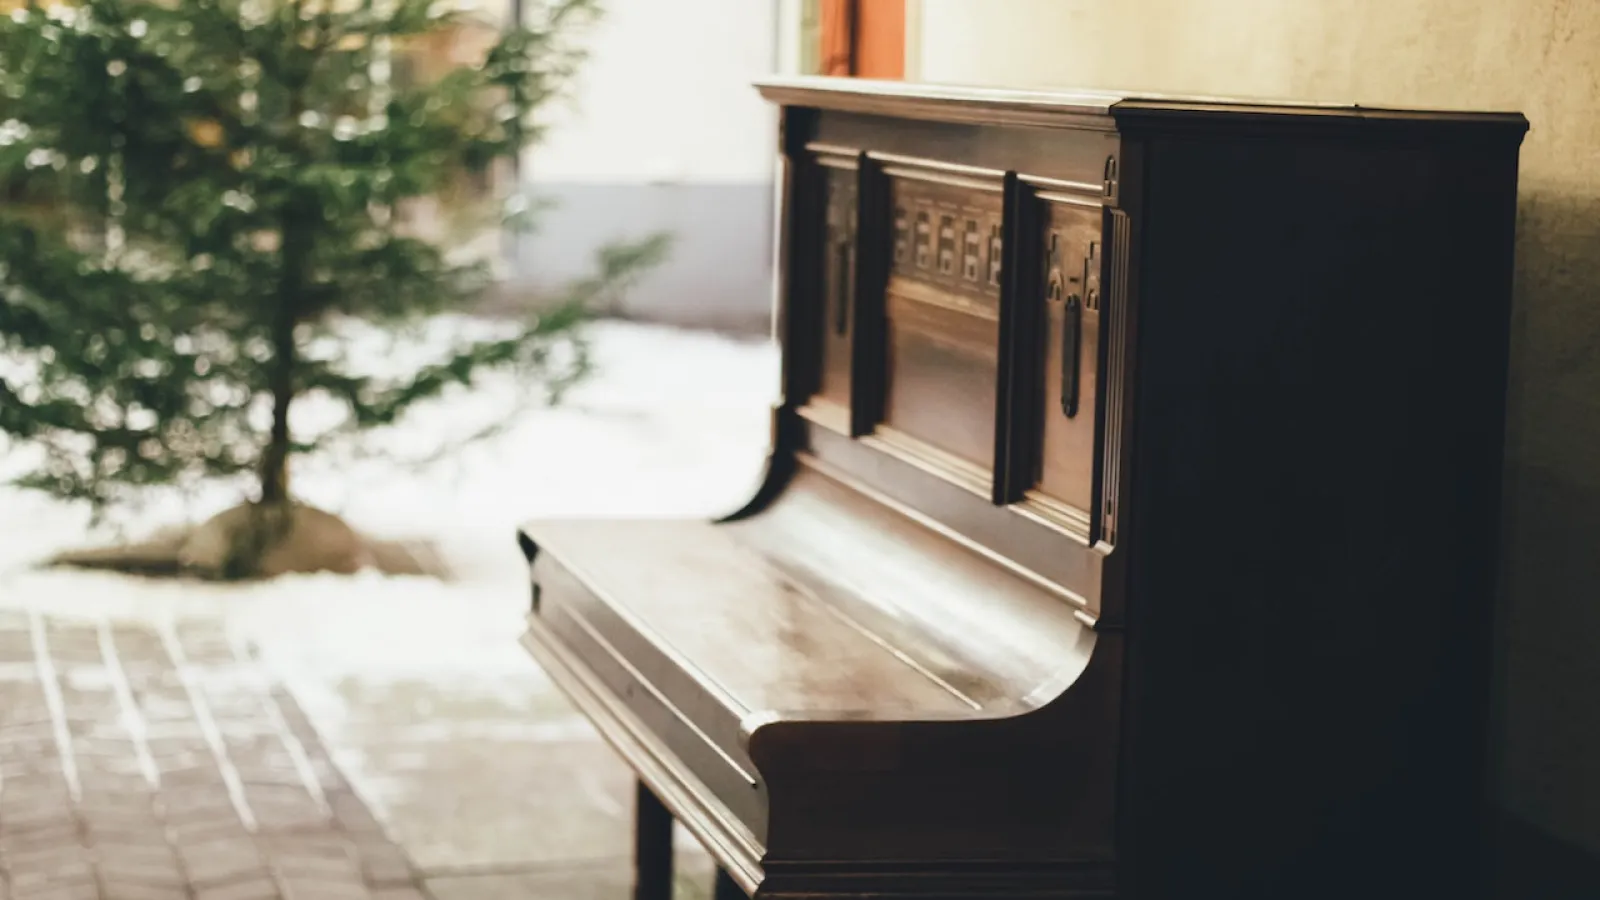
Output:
x=1130 y=522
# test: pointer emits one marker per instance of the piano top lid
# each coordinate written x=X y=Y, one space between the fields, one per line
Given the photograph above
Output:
x=1081 y=108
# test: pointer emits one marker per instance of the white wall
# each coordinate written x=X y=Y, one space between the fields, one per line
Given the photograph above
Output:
x=665 y=97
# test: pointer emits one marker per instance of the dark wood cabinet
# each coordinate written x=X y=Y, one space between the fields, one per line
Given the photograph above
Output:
x=1130 y=524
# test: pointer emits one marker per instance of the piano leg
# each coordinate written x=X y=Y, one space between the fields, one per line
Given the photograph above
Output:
x=726 y=888
x=652 y=847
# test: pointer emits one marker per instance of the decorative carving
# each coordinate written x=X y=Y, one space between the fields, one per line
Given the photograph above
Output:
x=1055 y=283
x=995 y=248
x=954 y=237
x=971 y=257
x=947 y=245
x=924 y=239
x=902 y=234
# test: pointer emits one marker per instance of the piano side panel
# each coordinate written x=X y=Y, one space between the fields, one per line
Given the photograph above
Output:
x=1313 y=511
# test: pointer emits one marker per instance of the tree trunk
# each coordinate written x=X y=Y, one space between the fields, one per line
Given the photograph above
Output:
x=296 y=249
x=275 y=460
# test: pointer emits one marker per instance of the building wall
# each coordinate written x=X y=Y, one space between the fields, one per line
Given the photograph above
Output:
x=1535 y=56
x=665 y=132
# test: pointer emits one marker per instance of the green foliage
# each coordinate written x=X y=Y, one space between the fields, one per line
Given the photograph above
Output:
x=195 y=193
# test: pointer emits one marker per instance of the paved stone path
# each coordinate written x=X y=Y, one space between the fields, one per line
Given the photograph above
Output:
x=148 y=762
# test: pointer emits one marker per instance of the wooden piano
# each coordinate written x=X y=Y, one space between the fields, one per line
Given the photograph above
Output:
x=1131 y=518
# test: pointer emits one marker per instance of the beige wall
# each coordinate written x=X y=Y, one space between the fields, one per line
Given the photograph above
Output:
x=1540 y=57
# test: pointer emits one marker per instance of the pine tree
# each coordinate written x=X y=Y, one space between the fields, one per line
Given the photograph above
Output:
x=196 y=196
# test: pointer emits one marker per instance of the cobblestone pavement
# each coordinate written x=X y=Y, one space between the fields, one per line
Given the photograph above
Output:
x=148 y=761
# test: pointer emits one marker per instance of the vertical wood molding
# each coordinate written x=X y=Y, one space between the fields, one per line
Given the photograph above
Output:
x=913 y=40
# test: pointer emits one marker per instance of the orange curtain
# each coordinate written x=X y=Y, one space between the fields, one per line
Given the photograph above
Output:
x=837 y=35
x=863 y=38
x=881 y=39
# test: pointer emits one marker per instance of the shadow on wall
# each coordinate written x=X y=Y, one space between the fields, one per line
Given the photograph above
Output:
x=717 y=277
x=1549 y=734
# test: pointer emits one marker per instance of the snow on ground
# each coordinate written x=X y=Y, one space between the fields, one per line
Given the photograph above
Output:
x=672 y=423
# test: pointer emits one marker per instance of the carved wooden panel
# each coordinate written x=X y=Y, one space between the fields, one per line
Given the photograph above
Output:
x=838 y=281
x=1072 y=256
x=942 y=312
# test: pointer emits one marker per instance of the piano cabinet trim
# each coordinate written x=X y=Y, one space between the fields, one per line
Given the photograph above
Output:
x=716 y=828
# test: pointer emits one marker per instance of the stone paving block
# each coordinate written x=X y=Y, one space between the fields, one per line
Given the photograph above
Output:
x=286 y=799
x=260 y=887
x=69 y=651
x=278 y=820
x=157 y=867
x=34 y=826
x=27 y=877
x=36 y=727
x=44 y=860
x=89 y=746
x=185 y=833
x=86 y=890
x=182 y=801
x=111 y=773
x=34 y=743
x=13 y=650
x=37 y=783
x=294 y=889
x=384 y=863
x=321 y=844
x=131 y=830
x=133 y=837
x=222 y=862
x=270 y=775
x=313 y=868
x=162 y=705
x=188 y=769
x=352 y=814
x=31 y=766
x=162 y=728
x=124 y=890
x=407 y=892
x=109 y=777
